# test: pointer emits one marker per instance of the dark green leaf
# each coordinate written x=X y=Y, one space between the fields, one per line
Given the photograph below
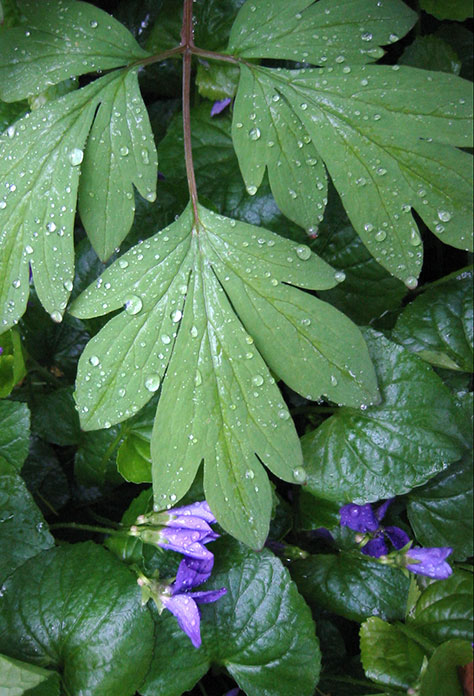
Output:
x=261 y=631
x=385 y=450
x=441 y=512
x=438 y=325
x=12 y=364
x=448 y=9
x=76 y=608
x=384 y=134
x=10 y=113
x=461 y=39
x=64 y=38
x=54 y=417
x=94 y=463
x=304 y=30
x=444 y=610
x=389 y=656
x=442 y=676
x=229 y=409
x=352 y=585
x=23 y=532
x=214 y=19
x=431 y=53
x=20 y=678
x=45 y=478
x=14 y=435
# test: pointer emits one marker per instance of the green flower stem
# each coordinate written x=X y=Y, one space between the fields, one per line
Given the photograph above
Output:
x=90 y=528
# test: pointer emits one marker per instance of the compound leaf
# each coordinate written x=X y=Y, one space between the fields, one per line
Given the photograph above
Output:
x=61 y=39
x=321 y=33
x=385 y=135
x=77 y=608
x=390 y=448
x=40 y=158
x=213 y=306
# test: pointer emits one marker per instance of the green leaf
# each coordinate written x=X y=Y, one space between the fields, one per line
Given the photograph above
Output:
x=368 y=291
x=20 y=678
x=444 y=610
x=303 y=30
x=384 y=134
x=23 y=532
x=441 y=676
x=352 y=585
x=181 y=290
x=214 y=20
x=431 y=53
x=441 y=512
x=389 y=656
x=64 y=430
x=14 y=435
x=261 y=631
x=385 y=450
x=215 y=81
x=458 y=10
x=10 y=113
x=63 y=39
x=45 y=478
x=37 y=210
x=12 y=364
x=94 y=463
x=120 y=153
x=77 y=609
x=133 y=456
x=438 y=325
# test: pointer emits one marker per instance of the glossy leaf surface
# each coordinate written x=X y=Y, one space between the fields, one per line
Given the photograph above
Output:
x=14 y=435
x=21 y=679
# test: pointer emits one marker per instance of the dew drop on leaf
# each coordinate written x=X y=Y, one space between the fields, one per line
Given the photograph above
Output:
x=303 y=252
x=299 y=474
x=165 y=339
x=51 y=227
x=133 y=304
x=444 y=215
x=380 y=235
x=56 y=317
x=257 y=380
x=339 y=276
x=193 y=331
x=123 y=263
x=94 y=360
x=176 y=316
x=251 y=190
x=152 y=383
x=76 y=156
x=254 y=134
x=411 y=282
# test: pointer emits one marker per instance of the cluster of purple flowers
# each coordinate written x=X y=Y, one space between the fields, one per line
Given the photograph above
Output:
x=375 y=540
x=186 y=530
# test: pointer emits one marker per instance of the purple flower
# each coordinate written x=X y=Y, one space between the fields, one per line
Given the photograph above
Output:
x=363 y=519
x=219 y=106
x=430 y=562
x=232 y=692
x=183 y=603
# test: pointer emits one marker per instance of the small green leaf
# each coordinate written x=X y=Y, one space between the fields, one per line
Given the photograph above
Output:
x=441 y=676
x=438 y=325
x=133 y=456
x=23 y=531
x=12 y=364
x=14 y=435
x=346 y=117
x=77 y=609
x=389 y=656
x=321 y=33
x=441 y=512
x=216 y=81
x=431 y=53
x=181 y=290
x=352 y=585
x=388 y=449
x=457 y=10
x=445 y=609
x=46 y=423
x=94 y=463
x=120 y=152
x=62 y=39
x=22 y=679
x=261 y=631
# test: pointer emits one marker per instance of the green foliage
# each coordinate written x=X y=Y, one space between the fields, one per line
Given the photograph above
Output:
x=20 y=678
x=448 y=9
x=261 y=632
x=14 y=435
x=12 y=364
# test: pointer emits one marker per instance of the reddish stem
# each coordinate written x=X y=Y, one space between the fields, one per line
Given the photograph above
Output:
x=187 y=41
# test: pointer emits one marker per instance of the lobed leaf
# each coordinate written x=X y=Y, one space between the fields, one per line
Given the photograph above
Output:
x=385 y=135
x=61 y=39
x=387 y=449
x=40 y=161
x=321 y=33
x=183 y=291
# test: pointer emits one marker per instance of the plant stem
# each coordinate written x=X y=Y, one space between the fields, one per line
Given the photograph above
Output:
x=88 y=528
x=202 y=53
x=187 y=41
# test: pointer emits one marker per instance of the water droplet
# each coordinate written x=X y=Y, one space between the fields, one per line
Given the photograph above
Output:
x=444 y=215
x=93 y=23
x=303 y=252
x=257 y=380
x=312 y=231
x=145 y=156
x=94 y=360
x=165 y=339
x=415 y=239
x=380 y=235
x=304 y=106
x=16 y=283
x=197 y=379
x=193 y=331
x=76 y=156
x=439 y=229
x=249 y=474
x=122 y=392
x=299 y=474
x=283 y=414
x=368 y=227
x=152 y=383
x=68 y=285
x=56 y=317
x=251 y=190
x=333 y=381
x=3 y=205
x=29 y=249
x=367 y=36
x=381 y=171
x=51 y=227
x=133 y=304
x=393 y=37
x=124 y=151
x=254 y=134
x=339 y=276
x=411 y=282
x=123 y=263
x=176 y=316
x=249 y=340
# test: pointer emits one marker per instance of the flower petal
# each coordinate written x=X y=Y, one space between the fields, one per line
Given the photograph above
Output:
x=192 y=572
x=375 y=547
x=189 y=522
x=200 y=509
x=185 y=541
x=360 y=518
x=187 y=613
x=381 y=511
x=397 y=537
x=430 y=562
x=219 y=106
x=207 y=596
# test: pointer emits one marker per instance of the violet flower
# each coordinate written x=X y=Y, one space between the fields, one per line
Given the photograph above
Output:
x=430 y=562
x=219 y=106
x=362 y=518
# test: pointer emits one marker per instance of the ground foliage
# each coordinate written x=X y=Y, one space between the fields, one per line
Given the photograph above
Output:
x=307 y=321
